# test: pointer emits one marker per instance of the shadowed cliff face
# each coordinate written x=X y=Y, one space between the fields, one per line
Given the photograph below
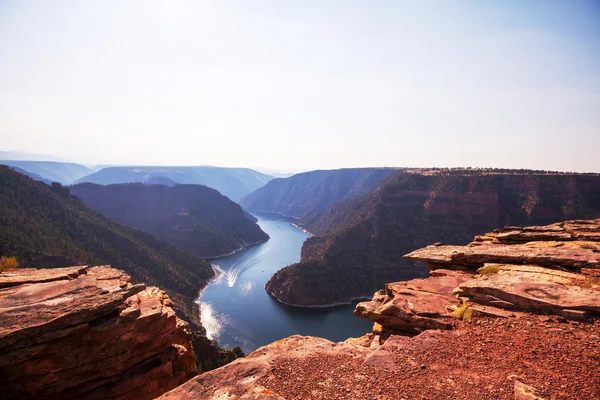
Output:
x=362 y=239
x=308 y=195
x=195 y=218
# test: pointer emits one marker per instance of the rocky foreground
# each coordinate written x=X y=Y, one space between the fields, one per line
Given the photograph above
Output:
x=514 y=314
x=79 y=332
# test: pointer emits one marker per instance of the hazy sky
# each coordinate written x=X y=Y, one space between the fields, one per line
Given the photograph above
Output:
x=303 y=84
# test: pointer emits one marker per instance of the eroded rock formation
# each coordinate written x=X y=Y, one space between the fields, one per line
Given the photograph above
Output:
x=82 y=332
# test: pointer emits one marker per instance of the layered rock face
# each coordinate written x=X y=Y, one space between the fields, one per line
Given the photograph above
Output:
x=513 y=315
x=79 y=332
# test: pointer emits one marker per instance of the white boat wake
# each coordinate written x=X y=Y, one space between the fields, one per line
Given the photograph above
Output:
x=231 y=274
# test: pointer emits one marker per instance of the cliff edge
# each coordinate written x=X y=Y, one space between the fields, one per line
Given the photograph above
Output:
x=80 y=332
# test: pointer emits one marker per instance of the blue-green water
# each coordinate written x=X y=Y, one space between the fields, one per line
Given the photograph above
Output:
x=237 y=310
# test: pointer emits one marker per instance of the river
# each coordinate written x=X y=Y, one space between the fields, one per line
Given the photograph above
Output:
x=238 y=311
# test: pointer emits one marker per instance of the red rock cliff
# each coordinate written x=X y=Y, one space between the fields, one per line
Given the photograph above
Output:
x=80 y=332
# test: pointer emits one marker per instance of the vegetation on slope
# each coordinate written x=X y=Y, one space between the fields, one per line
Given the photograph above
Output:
x=195 y=218
x=44 y=226
x=362 y=240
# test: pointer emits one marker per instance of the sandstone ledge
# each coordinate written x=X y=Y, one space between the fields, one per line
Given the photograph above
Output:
x=83 y=332
x=500 y=274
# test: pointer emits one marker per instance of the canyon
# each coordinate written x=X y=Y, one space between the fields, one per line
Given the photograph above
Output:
x=512 y=313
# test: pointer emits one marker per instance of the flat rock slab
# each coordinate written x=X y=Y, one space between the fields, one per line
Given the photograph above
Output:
x=575 y=230
x=20 y=276
x=521 y=292
x=536 y=273
x=530 y=253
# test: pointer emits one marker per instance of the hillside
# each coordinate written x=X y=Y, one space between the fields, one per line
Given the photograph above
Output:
x=307 y=195
x=47 y=227
x=234 y=183
x=362 y=239
x=61 y=172
x=195 y=218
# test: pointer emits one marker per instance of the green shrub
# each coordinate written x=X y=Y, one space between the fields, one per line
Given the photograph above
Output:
x=464 y=312
x=8 y=263
x=489 y=269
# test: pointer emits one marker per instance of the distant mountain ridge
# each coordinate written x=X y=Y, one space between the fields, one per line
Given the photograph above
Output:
x=195 y=218
x=62 y=172
x=362 y=239
x=45 y=227
x=32 y=175
x=234 y=183
x=309 y=194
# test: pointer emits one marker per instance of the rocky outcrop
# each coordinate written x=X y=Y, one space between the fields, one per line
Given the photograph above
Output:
x=82 y=332
x=415 y=305
x=499 y=273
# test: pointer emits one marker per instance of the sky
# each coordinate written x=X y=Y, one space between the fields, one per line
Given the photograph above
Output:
x=308 y=84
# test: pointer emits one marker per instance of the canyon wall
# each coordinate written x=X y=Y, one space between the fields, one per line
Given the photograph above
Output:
x=361 y=240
